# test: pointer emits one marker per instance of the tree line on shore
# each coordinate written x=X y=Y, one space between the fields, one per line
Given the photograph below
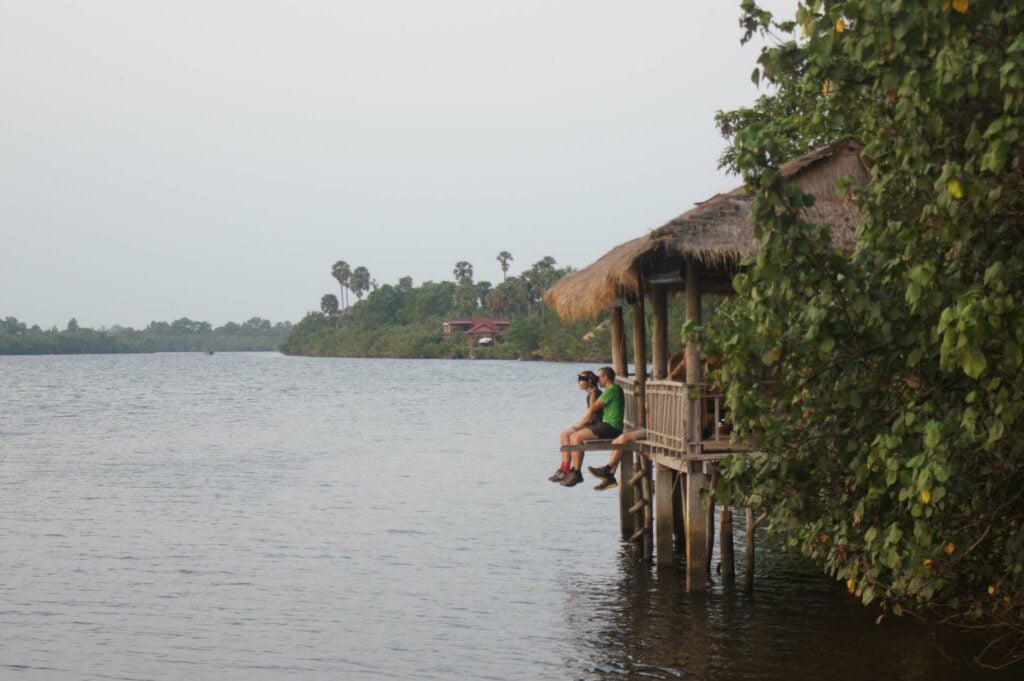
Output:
x=404 y=320
x=181 y=335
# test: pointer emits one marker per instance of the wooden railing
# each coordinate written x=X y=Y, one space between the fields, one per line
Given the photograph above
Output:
x=680 y=415
x=667 y=406
x=628 y=386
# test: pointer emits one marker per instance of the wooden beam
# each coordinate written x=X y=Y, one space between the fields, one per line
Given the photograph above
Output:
x=663 y=521
x=618 y=332
x=659 y=332
x=604 y=446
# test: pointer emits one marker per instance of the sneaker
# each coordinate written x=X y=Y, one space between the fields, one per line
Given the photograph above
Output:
x=572 y=478
x=559 y=476
x=603 y=472
x=606 y=484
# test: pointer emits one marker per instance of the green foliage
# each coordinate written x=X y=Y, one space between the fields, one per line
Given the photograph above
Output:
x=886 y=388
x=181 y=335
x=406 y=321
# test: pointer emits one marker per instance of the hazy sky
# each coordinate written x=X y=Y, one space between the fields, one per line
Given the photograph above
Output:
x=164 y=159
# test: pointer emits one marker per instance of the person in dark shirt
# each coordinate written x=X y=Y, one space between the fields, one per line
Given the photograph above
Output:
x=587 y=381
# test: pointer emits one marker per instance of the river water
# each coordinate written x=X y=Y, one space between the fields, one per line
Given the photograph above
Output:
x=254 y=516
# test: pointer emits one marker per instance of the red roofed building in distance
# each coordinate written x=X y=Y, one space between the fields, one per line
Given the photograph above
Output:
x=481 y=331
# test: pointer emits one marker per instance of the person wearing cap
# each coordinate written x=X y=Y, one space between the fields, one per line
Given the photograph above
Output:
x=587 y=381
x=612 y=404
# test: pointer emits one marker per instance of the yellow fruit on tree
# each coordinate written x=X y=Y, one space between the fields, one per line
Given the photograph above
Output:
x=955 y=188
x=926 y=496
x=961 y=5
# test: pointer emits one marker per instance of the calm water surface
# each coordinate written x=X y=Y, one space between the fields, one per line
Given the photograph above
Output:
x=254 y=516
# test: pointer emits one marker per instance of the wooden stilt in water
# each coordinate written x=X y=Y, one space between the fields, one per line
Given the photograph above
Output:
x=663 y=521
x=748 y=573
x=726 y=549
x=626 y=496
x=696 y=529
x=711 y=517
x=678 y=508
x=648 y=512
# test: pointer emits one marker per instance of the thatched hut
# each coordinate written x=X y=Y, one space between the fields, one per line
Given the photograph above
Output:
x=698 y=252
x=717 y=233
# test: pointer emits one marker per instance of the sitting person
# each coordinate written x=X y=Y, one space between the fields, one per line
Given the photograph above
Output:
x=587 y=381
x=612 y=402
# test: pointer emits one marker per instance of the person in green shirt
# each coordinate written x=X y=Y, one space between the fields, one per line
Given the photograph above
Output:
x=612 y=403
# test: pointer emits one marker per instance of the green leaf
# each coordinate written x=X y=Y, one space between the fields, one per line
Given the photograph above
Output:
x=974 y=363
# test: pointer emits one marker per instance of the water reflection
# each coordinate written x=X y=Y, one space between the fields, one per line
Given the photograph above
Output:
x=796 y=625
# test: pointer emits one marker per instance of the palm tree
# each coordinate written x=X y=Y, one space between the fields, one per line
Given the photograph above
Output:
x=342 y=272
x=504 y=258
x=329 y=305
x=463 y=272
x=359 y=282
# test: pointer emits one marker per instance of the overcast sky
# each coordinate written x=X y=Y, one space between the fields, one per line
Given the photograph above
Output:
x=164 y=159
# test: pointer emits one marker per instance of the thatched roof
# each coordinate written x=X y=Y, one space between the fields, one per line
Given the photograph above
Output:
x=585 y=294
x=717 y=232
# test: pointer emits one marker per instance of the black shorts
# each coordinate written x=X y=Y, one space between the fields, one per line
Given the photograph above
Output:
x=604 y=431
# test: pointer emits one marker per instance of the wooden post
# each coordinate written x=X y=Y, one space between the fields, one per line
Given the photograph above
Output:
x=640 y=359
x=748 y=573
x=712 y=483
x=696 y=529
x=726 y=550
x=679 y=508
x=626 y=496
x=648 y=511
x=694 y=369
x=619 y=343
x=659 y=332
x=663 y=516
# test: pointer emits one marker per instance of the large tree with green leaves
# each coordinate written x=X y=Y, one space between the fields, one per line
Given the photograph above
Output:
x=342 y=272
x=359 y=281
x=886 y=387
x=504 y=258
x=329 y=304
